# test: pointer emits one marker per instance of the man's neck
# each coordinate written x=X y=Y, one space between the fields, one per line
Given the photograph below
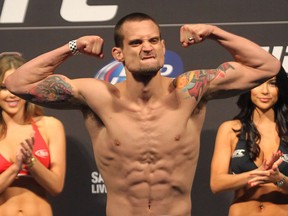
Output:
x=144 y=87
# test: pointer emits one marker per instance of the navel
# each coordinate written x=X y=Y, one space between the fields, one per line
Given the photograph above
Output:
x=178 y=137
x=116 y=142
x=261 y=206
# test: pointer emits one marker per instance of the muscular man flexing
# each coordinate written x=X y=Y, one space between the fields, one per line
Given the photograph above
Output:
x=145 y=130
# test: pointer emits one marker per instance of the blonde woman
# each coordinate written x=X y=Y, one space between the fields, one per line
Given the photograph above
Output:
x=32 y=151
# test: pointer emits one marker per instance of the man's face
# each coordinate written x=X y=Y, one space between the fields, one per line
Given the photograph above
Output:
x=143 y=50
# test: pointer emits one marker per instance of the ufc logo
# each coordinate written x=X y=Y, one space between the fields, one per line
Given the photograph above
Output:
x=14 y=11
x=281 y=53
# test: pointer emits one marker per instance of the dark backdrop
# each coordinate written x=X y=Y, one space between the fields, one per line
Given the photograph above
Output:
x=36 y=26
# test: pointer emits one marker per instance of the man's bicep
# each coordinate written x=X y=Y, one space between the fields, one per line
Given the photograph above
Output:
x=55 y=91
x=228 y=80
x=195 y=83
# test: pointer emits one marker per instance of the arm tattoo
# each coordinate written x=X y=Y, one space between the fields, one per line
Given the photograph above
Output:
x=195 y=82
x=52 y=89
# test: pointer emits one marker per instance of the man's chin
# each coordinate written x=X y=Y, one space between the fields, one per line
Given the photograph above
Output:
x=149 y=70
x=147 y=74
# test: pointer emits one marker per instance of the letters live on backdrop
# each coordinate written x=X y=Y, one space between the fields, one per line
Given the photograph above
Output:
x=33 y=27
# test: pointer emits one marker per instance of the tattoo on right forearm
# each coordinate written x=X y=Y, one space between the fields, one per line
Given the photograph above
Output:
x=195 y=82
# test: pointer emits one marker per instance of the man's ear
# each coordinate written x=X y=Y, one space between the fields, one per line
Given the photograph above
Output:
x=163 y=44
x=117 y=54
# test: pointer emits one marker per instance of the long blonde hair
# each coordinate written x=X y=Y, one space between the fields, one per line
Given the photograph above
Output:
x=8 y=61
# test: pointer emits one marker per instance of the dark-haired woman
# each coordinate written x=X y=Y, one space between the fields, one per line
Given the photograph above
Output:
x=251 y=152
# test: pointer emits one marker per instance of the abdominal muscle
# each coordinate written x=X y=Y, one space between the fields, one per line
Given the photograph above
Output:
x=148 y=191
x=154 y=179
x=147 y=157
x=17 y=200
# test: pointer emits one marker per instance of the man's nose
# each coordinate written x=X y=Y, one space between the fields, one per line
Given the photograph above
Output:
x=147 y=46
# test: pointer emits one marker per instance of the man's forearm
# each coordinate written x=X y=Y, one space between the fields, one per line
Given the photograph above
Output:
x=36 y=70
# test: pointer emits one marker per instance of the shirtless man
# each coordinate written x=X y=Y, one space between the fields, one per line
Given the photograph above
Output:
x=145 y=130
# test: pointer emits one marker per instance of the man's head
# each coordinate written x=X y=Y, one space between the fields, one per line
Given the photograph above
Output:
x=118 y=30
x=139 y=45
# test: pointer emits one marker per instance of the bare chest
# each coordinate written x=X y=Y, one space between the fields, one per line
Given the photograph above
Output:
x=148 y=135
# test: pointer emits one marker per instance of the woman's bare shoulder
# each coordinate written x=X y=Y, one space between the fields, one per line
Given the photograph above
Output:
x=230 y=125
x=47 y=121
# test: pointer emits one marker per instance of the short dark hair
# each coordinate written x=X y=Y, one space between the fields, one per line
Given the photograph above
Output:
x=118 y=36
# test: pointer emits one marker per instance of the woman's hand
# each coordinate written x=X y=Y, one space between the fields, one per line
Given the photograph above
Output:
x=275 y=160
x=268 y=172
x=27 y=149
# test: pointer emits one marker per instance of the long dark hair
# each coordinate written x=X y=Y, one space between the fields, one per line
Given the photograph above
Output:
x=249 y=131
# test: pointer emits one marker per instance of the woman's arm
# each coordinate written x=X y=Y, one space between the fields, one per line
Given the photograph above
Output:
x=52 y=179
x=221 y=179
x=8 y=176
